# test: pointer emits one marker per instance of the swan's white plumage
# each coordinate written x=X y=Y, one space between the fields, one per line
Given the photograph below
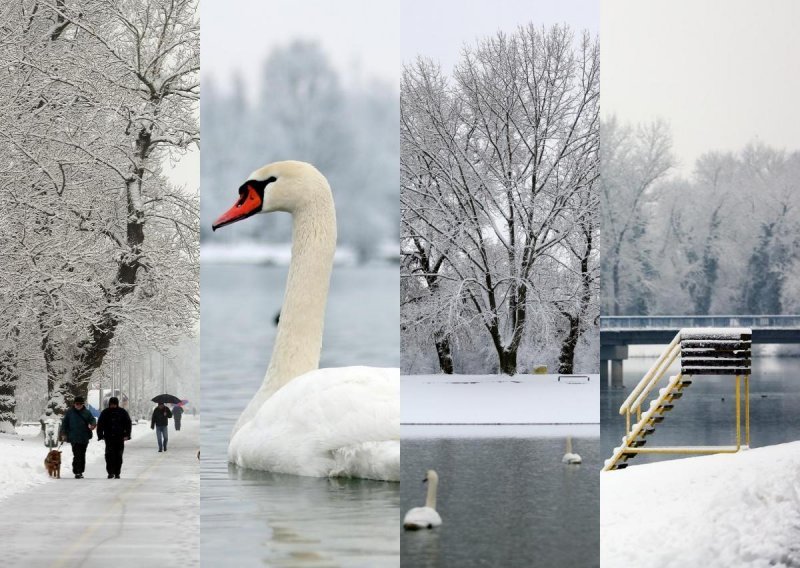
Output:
x=422 y=518
x=305 y=420
x=425 y=517
x=569 y=456
x=329 y=422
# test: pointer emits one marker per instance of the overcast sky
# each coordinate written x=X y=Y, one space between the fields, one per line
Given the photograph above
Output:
x=361 y=37
x=721 y=73
x=439 y=28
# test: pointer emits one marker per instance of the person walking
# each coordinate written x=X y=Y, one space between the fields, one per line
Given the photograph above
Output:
x=159 y=423
x=177 y=413
x=76 y=428
x=114 y=426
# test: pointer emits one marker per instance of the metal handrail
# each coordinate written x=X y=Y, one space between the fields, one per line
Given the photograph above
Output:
x=656 y=378
x=651 y=378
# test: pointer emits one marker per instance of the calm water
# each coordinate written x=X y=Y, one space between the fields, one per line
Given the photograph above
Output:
x=251 y=518
x=504 y=502
x=705 y=415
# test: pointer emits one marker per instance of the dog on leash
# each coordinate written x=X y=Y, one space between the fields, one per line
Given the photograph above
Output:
x=52 y=463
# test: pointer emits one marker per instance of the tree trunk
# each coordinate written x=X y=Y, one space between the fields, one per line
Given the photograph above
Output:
x=615 y=286
x=70 y=362
x=508 y=361
x=566 y=361
x=444 y=352
x=9 y=377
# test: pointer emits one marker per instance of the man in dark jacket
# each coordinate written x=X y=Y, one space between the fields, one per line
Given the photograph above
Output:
x=177 y=412
x=76 y=428
x=114 y=427
x=159 y=422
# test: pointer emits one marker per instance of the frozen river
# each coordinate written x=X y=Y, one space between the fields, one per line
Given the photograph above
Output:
x=252 y=518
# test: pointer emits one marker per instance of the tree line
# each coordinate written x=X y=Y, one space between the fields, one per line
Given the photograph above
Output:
x=721 y=241
x=304 y=109
x=99 y=251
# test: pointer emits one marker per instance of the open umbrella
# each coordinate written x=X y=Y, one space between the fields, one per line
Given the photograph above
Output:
x=166 y=398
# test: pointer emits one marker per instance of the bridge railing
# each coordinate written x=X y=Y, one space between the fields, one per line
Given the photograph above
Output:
x=610 y=323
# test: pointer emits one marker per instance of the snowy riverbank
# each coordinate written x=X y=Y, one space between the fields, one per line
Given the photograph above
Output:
x=22 y=458
x=722 y=510
x=441 y=401
x=246 y=252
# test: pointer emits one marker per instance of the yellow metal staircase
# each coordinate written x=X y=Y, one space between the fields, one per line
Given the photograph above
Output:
x=703 y=351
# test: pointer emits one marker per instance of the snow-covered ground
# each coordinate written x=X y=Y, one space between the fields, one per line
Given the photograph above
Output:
x=723 y=510
x=22 y=458
x=499 y=399
x=149 y=517
x=262 y=253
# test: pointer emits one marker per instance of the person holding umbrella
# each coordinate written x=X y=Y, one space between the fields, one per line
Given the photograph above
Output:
x=159 y=422
x=114 y=426
x=177 y=412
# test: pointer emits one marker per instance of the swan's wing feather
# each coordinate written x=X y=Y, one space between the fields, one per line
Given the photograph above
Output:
x=315 y=423
x=422 y=517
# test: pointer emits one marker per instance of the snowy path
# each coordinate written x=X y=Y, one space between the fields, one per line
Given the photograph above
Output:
x=723 y=510
x=148 y=517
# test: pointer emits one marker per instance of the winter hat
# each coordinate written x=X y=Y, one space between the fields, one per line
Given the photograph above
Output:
x=79 y=399
x=113 y=400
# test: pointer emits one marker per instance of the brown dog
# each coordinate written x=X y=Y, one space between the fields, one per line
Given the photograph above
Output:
x=52 y=463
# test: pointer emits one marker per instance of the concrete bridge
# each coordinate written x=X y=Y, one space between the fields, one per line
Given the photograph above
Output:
x=618 y=332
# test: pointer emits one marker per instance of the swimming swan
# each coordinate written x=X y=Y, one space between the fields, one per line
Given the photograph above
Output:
x=569 y=457
x=425 y=517
x=304 y=420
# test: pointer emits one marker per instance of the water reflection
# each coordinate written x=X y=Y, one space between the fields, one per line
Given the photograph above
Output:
x=253 y=518
x=503 y=502
x=705 y=415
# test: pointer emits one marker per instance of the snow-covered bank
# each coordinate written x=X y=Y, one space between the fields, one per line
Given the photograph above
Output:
x=499 y=399
x=22 y=458
x=263 y=253
x=472 y=431
x=722 y=510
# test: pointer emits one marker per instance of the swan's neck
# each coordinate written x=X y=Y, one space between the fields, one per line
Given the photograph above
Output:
x=569 y=445
x=430 y=500
x=299 y=339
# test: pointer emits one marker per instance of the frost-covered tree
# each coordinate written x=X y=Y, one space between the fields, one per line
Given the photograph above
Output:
x=494 y=163
x=579 y=303
x=98 y=95
x=722 y=241
x=632 y=160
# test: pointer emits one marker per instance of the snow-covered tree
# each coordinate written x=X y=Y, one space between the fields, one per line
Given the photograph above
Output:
x=98 y=95
x=722 y=241
x=495 y=165
x=632 y=160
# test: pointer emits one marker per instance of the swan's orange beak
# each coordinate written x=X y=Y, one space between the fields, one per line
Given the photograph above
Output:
x=249 y=204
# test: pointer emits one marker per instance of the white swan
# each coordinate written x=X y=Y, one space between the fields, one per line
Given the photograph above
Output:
x=425 y=517
x=305 y=420
x=569 y=457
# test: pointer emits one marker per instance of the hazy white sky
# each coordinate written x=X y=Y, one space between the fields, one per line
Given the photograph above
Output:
x=439 y=28
x=361 y=37
x=186 y=172
x=721 y=73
